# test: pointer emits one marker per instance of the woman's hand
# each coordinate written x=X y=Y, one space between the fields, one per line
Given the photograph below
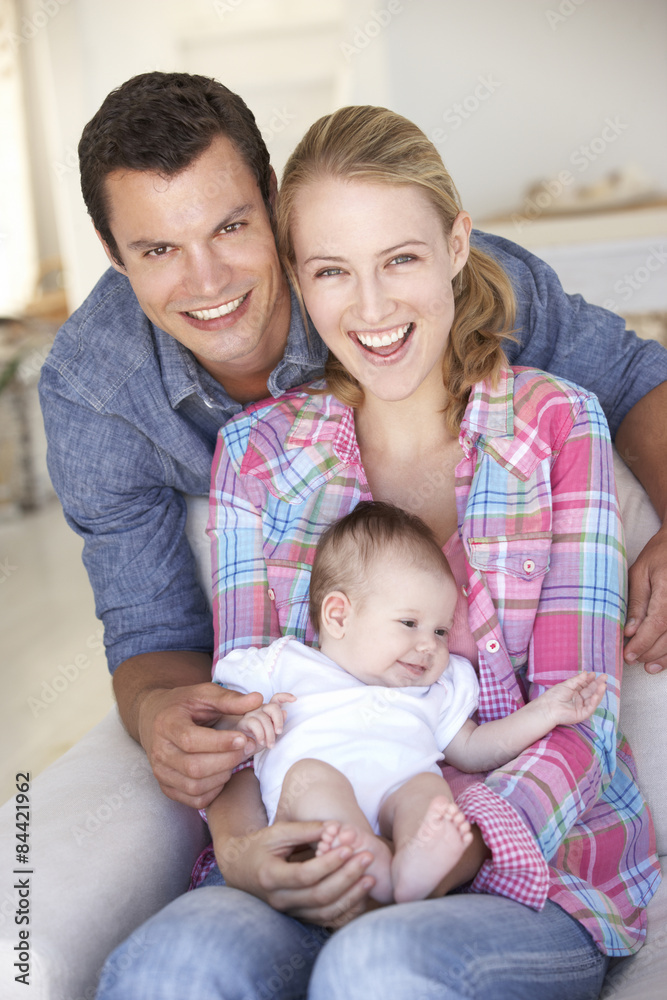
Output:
x=329 y=890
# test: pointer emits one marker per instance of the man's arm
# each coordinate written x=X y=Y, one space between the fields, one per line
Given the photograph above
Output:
x=642 y=444
x=168 y=704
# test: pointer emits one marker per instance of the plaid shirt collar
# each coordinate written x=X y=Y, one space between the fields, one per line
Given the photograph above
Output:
x=492 y=423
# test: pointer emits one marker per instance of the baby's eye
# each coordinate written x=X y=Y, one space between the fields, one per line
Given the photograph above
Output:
x=409 y=623
x=442 y=632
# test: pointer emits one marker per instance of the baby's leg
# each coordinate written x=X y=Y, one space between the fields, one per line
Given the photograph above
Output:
x=430 y=835
x=312 y=790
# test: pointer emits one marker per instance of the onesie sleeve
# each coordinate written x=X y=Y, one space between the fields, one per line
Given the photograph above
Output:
x=462 y=686
x=247 y=670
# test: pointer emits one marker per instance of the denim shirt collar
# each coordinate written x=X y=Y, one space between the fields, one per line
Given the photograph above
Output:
x=182 y=376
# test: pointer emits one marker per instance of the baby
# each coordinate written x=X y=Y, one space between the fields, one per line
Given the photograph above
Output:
x=371 y=711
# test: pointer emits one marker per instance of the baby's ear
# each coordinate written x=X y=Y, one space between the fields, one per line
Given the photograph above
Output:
x=334 y=614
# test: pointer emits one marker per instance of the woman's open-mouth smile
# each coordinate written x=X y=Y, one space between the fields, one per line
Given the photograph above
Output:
x=381 y=344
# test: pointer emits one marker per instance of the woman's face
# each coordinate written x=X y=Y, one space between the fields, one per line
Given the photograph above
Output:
x=376 y=274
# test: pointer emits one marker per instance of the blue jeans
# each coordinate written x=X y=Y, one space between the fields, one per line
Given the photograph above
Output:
x=218 y=943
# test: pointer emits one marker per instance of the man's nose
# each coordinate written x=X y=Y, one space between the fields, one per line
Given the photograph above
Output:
x=208 y=274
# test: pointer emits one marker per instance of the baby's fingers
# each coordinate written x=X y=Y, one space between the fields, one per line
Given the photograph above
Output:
x=251 y=725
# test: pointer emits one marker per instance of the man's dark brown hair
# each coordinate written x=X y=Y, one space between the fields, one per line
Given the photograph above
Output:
x=163 y=122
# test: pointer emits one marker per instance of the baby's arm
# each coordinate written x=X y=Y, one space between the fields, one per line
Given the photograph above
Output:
x=485 y=747
x=265 y=723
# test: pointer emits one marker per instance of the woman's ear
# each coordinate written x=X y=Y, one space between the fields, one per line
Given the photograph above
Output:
x=334 y=614
x=459 y=242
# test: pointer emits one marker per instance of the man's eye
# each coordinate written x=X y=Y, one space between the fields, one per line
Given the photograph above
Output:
x=158 y=251
x=232 y=227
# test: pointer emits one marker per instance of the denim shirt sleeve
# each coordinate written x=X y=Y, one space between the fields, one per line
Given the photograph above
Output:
x=110 y=479
x=570 y=338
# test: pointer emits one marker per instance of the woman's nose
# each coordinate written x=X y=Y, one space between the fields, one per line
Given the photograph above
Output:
x=373 y=303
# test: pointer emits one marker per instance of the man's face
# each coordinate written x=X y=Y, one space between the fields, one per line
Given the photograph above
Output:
x=200 y=255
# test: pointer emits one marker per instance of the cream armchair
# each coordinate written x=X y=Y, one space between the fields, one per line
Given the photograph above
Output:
x=108 y=849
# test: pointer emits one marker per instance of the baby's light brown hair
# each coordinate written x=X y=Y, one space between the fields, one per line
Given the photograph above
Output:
x=349 y=548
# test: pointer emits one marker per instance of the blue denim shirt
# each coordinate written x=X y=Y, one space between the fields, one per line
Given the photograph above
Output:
x=131 y=421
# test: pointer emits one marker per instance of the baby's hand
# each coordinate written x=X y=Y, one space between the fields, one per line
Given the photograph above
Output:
x=265 y=723
x=575 y=699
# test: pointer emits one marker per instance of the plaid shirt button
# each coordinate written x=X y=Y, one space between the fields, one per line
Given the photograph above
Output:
x=492 y=646
x=272 y=594
x=528 y=566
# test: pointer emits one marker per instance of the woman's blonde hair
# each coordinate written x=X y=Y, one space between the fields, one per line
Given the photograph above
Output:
x=379 y=146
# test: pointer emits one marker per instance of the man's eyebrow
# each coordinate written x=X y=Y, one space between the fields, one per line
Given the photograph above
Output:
x=381 y=253
x=233 y=216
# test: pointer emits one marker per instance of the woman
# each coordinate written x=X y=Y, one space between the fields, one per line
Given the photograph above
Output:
x=421 y=410
x=512 y=471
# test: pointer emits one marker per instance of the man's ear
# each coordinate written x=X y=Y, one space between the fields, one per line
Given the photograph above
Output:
x=335 y=612
x=105 y=246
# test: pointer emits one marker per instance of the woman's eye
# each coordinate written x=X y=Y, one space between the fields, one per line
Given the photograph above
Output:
x=327 y=272
x=402 y=258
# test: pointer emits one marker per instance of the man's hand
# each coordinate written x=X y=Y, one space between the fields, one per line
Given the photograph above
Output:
x=329 y=890
x=191 y=761
x=641 y=441
x=646 y=627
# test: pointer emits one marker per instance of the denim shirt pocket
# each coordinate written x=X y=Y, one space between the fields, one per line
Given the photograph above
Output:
x=289 y=587
x=514 y=567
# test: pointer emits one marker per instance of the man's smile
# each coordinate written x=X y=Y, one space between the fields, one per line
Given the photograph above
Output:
x=217 y=311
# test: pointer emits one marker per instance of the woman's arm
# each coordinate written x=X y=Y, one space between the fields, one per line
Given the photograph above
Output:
x=577 y=626
x=243 y=614
x=329 y=890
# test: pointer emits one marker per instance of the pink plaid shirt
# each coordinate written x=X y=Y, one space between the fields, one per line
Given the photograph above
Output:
x=539 y=522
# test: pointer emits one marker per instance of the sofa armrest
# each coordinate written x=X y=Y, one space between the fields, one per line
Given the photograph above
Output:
x=108 y=849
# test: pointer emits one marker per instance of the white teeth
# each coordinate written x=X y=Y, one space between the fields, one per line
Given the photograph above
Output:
x=223 y=310
x=375 y=340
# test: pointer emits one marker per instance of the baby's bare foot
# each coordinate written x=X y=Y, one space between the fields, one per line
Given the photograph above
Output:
x=424 y=860
x=336 y=835
x=328 y=839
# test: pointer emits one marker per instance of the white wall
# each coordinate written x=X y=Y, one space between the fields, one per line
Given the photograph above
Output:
x=548 y=75
x=537 y=79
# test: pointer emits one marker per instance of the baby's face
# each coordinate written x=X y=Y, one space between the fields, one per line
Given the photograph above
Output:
x=397 y=636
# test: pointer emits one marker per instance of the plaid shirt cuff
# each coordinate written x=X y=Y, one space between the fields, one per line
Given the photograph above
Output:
x=516 y=869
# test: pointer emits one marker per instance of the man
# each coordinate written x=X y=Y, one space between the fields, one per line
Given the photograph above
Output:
x=195 y=319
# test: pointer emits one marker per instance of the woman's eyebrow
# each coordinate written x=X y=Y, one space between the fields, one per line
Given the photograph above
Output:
x=380 y=253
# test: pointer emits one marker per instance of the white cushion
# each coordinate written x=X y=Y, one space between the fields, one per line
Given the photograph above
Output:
x=108 y=850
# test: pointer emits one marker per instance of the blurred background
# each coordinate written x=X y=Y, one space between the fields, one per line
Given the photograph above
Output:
x=550 y=115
